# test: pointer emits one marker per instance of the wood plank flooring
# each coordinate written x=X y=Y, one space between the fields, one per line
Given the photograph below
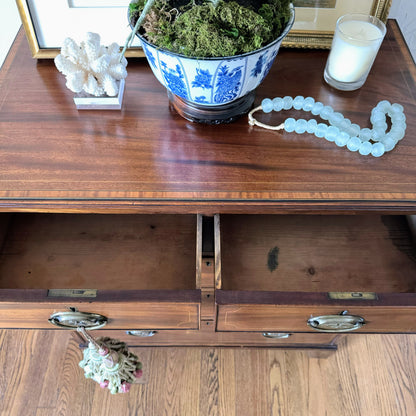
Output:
x=369 y=375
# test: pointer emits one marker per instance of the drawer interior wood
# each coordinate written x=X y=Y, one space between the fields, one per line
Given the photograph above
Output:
x=317 y=253
x=112 y=252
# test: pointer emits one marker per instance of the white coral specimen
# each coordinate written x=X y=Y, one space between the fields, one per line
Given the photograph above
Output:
x=91 y=67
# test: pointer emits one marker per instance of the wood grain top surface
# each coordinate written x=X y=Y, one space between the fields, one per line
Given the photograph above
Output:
x=146 y=158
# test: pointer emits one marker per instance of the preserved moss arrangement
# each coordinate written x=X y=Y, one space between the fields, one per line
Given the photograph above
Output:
x=211 y=55
x=203 y=28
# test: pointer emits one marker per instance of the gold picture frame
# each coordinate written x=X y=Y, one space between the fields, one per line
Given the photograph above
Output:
x=315 y=20
x=47 y=46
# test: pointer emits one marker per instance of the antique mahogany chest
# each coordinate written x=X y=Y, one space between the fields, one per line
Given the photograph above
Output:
x=188 y=234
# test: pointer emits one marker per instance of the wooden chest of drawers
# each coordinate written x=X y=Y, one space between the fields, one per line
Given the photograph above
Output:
x=187 y=234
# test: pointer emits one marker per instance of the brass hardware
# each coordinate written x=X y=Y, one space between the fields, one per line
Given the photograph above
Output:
x=276 y=335
x=73 y=293
x=336 y=323
x=352 y=295
x=75 y=319
x=142 y=333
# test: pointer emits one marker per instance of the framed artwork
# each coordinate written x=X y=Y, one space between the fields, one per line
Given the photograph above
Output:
x=48 y=22
x=315 y=19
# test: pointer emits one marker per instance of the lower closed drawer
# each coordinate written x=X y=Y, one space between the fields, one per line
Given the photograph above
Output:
x=207 y=337
x=285 y=273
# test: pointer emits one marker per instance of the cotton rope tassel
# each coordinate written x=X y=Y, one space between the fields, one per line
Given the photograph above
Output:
x=338 y=129
x=109 y=362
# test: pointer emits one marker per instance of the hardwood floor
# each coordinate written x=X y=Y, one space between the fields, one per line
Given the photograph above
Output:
x=369 y=375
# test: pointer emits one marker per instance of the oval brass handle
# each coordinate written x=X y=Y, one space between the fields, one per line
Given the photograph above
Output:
x=142 y=333
x=77 y=319
x=336 y=323
x=276 y=335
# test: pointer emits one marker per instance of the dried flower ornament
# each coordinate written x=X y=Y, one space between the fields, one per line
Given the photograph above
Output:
x=109 y=362
x=91 y=67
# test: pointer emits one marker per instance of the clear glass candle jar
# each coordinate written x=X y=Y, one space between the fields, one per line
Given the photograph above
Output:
x=356 y=41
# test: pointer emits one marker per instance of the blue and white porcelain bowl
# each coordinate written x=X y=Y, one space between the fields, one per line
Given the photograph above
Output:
x=206 y=83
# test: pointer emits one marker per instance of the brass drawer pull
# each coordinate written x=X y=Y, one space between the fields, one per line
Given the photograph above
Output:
x=276 y=335
x=142 y=333
x=75 y=319
x=336 y=323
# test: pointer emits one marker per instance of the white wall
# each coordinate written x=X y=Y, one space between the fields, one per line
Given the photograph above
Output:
x=405 y=13
x=9 y=25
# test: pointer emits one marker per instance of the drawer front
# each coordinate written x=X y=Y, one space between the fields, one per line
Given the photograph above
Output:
x=208 y=337
x=378 y=319
x=120 y=315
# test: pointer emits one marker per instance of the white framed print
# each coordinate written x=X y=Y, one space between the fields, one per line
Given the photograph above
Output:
x=48 y=22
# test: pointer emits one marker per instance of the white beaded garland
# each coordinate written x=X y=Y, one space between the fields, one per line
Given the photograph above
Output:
x=365 y=148
x=298 y=102
x=341 y=131
x=311 y=127
x=287 y=103
x=354 y=144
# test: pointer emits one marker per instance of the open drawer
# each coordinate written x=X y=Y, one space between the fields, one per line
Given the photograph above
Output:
x=315 y=273
x=137 y=270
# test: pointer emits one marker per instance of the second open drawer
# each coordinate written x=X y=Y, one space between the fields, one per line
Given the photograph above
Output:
x=136 y=270
x=300 y=273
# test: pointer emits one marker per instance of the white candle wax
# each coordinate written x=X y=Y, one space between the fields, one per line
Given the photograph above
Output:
x=353 y=50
